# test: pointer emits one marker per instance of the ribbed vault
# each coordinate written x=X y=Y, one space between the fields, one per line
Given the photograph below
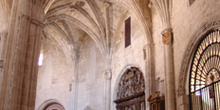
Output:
x=99 y=19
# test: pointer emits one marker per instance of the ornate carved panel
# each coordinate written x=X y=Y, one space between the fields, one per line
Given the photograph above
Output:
x=130 y=95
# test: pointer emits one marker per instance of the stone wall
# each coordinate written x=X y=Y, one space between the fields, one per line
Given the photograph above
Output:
x=186 y=21
x=91 y=70
x=132 y=56
x=54 y=77
x=74 y=88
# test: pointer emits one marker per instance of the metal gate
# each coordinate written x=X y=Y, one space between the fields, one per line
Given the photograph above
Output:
x=206 y=98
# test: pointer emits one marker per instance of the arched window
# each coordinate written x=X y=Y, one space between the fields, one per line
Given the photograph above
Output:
x=205 y=72
x=130 y=94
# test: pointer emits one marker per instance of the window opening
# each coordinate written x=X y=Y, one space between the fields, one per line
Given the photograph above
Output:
x=40 y=59
x=128 y=32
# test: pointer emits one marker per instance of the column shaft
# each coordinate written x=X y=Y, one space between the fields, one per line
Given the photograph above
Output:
x=149 y=77
x=169 y=71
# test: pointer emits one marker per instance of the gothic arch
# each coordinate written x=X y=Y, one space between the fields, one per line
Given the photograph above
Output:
x=196 y=37
x=49 y=103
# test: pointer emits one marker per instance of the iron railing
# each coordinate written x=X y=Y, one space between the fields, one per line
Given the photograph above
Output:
x=206 y=98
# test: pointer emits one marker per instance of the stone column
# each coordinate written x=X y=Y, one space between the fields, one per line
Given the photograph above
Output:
x=20 y=69
x=3 y=43
x=108 y=40
x=149 y=77
x=167 y=37
x=76 y=77
x=108 y=89
x=164 y=8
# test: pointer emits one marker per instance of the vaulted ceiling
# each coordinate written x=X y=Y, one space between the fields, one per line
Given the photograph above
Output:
x=69 y=21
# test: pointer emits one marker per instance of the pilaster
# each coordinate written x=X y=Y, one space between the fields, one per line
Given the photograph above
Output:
x=149 y=77
x=20 y=70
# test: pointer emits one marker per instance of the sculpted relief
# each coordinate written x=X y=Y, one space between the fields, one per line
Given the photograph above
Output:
x=130 y=95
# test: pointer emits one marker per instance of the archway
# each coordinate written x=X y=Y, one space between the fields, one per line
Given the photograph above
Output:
x=205 y=73
x=183 y=82
x=130 y=94
x=54 y=106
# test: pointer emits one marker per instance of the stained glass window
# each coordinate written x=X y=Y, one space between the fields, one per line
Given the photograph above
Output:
x=128 y=32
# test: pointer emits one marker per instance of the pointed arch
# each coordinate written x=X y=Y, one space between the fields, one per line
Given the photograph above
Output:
x=183 y=81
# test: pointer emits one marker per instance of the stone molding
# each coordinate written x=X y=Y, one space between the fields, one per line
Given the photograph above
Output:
x=48 y=102
x=38 y=23
x=33 y=21
x=193 y=42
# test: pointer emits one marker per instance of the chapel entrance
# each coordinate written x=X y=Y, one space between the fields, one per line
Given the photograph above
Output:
x=130 y=94
x=205 y=74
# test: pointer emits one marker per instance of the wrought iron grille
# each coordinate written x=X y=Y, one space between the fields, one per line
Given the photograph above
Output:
x=205 y=71
x=206 y=98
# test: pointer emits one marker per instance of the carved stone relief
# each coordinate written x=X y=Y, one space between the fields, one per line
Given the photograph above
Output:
x=130 y=95
x=132 y=82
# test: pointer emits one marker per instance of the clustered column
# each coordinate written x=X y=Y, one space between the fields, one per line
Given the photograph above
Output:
x=20 y=68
